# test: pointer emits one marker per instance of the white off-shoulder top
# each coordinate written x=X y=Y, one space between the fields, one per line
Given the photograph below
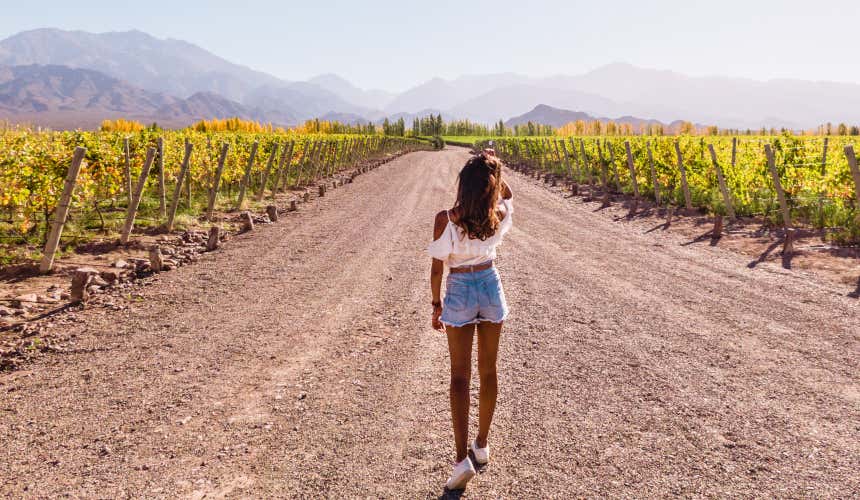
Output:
x=456 y=249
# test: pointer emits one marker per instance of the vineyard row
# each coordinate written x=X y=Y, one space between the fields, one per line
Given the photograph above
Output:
x=788 y=180
x=99 y=183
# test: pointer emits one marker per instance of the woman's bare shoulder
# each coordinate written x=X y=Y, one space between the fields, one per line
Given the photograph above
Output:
x=439 y=224
x=507 y=194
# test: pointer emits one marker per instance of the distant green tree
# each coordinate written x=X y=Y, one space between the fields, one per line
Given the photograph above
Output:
x=386 y=127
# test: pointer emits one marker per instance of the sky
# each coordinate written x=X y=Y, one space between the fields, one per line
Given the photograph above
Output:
x=394 y=45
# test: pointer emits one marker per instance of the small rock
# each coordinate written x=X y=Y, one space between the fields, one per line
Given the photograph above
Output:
x=98 y=281
x=110 y=276
x=120 y=264
x=247 y=221
x=272 y=212
x=156 y=259
x=21 y=301
x=5 y=311
x=214 y=239
x=141 y=266
x=44 y=299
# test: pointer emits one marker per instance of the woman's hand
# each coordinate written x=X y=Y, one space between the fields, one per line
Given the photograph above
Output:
x=437 y=313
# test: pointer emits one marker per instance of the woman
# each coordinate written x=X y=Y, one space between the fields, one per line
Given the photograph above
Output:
x=465 y=240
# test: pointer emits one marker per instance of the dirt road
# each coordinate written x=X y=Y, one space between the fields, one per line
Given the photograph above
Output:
x=299 y=362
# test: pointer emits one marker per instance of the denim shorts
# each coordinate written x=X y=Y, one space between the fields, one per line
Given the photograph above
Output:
x=471 y=298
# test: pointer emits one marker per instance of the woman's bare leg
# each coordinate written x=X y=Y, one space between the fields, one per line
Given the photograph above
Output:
x=488 y=352
x=460 y=347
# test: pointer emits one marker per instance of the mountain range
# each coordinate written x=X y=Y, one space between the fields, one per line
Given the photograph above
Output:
x=547 y=115
x=74 y=79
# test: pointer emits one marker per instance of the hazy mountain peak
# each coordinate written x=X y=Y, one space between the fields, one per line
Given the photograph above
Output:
x=548 y=115
x=331 y=78
x=373 y=99
x=180 y=69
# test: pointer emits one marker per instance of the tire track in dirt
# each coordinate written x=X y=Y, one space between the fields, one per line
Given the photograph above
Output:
x=299 y=362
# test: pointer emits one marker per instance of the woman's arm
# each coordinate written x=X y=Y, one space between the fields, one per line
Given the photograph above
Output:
x=506 y=191
x=436 y=269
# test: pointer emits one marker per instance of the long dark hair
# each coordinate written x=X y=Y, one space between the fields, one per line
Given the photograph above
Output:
x=478 y=192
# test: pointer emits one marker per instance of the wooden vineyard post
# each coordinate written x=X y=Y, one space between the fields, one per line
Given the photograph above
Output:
x=616 y=179
x=246 y=179
x=317 y=159
x=727 y=198
x=338 y=148
x=311 y=163
x=533 y=157
x=688 y=201
x=126 y=148
x=323 y=165
x=585 y=164
x=274 y=154
x=777 y=184
x=855 y=170
x=576 y=160
x=604 y=176
x=717 y=232
x=330 y=159
x=162 y=205
x=654 y=181
x=279 y=171
x=320 y=171
x=301 y=164
x=213 y=193
x=557 y=153
x=604 y=171
x=632 y=168
x=353 y=147
x=287 y=167
x=543 y=148
x=188 y=199
x=823 y=174
x=177 y=191
x=131 y=212
x=734 y=152
x=567 y=161
x=335 y=158
x=62 y=211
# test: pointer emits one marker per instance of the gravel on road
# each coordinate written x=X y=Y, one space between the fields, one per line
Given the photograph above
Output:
x=299 y=362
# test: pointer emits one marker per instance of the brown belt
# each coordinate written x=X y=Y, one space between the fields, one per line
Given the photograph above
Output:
x=472 y=269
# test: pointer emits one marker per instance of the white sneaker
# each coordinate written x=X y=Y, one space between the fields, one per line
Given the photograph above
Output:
x=462 y=474
x=482 y=455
